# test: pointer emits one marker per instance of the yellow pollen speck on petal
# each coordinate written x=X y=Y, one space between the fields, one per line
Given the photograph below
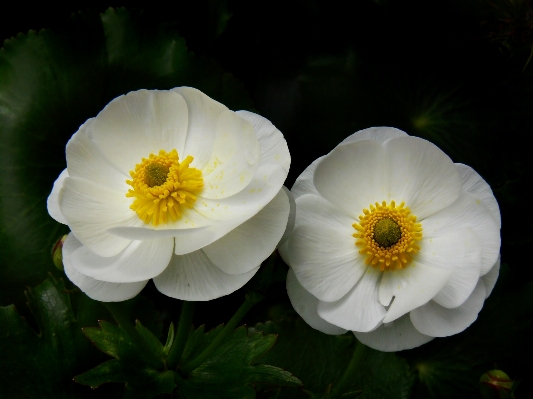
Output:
x=162 y=186
x=387 y=235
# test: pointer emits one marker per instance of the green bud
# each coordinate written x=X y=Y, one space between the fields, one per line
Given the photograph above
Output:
x=57 y=252
x=495 y=384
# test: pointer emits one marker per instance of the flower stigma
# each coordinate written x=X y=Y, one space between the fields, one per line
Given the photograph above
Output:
x=162 y=186
x=388 y=235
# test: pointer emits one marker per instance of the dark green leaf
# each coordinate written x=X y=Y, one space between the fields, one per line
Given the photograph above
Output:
x=42 y=364
x=232 y=367
x=130 y=366
x=320 y=360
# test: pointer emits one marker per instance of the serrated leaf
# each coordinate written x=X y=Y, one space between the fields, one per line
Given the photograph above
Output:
x=232 y=366
x=42 y=365
x=51 y=83
x=130 y=365
x=319 y=360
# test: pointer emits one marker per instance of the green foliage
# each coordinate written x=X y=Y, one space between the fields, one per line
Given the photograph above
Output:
x=319 y=360
x=42 y=364
x=53 y=81
x=235 y=365
x=130 y=366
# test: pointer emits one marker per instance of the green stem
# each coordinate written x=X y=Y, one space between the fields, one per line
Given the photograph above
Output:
x=184 y=327
x=115 y=308
x=355 y=364
x=249 y=302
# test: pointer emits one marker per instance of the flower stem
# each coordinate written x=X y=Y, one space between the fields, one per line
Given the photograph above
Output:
x=250 y=300
x=355 y=364
x=115 y=308
x=184 y=327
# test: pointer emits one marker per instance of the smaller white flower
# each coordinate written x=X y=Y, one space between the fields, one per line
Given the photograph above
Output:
x=170 y=186
x=392 y=241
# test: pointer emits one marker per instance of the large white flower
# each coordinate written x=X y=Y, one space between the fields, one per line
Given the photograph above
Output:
x=170 y=186
x=392 y=241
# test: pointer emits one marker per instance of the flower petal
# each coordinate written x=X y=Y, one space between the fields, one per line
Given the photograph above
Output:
x=466 y=265
x=359 y=309
x=325 y=261
x=306 y=304
x=353 y=176
x=468 y=212
x=132 y=126
x=86 y=161
x=248 y=245
x=91 y=210
x=490 y=278
x=304 y=184
x=141 y=260
x=437 y=321
x=291 y=219
x=474 y=184
x=234 y=160
x=395 y=336
x=203 y=113
x=274 y=149
x=95 y=289
x=193 y=277
x=412 y=287
x=421 y=175
x=378 y=134
x=52 y=203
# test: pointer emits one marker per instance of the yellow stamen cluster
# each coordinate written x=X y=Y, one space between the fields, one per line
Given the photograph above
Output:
x=388 y=235
x=162 y=185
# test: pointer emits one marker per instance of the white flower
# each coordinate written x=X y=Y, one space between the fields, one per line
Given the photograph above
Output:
x=170 y=186
x=392 y=241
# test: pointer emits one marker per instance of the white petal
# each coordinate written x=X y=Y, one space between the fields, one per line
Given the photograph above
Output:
x=392 y=337
x=353 y=176
x=203 y=113
x=304 y=184
x=133 y=126
x=274 y=149
x=140 y=261
x=291 y=219
x=412 y=287
x=437 y=321
x=490 y=278
x=359 y=309
x=86 y=161
x=461 y=251
x=142 y=233
x=234 y=160
x=325 y=261
x=474 y=184
x=421 y=175
x=247 y=246
x=95 y=289
x=52 y=203
x=283 y=250
x=91 y=210
x=378 y=134
x=193 y=277
x=306 y=304
x=468 y=212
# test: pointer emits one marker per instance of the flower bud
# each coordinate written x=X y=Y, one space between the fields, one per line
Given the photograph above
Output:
x=57 y=252
x=495 y=384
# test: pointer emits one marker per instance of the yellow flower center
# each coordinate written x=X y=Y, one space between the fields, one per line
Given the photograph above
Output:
x=388 y=235
x=162 y=186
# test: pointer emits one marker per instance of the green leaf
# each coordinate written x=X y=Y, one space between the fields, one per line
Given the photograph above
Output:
x=319 y=360
x=51 y=83
x=233 y=365
x=130 y=365
x=42 y=364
